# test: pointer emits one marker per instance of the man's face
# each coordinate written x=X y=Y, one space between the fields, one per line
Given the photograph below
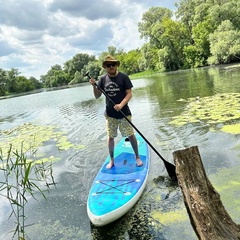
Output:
x=111 y=67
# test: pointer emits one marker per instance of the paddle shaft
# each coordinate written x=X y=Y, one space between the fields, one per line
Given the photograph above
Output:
x=171 y=169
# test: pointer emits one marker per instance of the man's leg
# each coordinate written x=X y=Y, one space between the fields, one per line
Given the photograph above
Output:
x=112 y=127
x=111 y=152
x=134 y=144
x=127 y=130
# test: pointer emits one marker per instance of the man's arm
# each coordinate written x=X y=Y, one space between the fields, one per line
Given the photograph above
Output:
x=96 y=91
x=128 y=96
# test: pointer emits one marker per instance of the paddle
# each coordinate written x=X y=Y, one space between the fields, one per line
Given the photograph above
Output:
x=171 y=169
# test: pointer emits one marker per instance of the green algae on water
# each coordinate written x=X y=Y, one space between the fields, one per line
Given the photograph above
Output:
x=33 y=138
x=226 y=182
x=233 y=129
x=171 y=217
x=221 y=108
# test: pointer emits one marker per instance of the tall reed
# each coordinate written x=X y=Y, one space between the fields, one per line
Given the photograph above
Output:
x=23 y=179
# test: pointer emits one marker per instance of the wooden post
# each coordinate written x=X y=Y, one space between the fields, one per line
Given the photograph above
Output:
x=208 y=216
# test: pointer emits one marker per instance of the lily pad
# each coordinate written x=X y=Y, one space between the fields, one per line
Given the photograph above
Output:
x=220 y=108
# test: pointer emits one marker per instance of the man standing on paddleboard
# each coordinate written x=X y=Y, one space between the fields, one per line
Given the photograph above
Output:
x=117 y=88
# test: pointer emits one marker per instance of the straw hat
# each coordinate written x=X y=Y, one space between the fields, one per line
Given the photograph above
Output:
x=110 y=59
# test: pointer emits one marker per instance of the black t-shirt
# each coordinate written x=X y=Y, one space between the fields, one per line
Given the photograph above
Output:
x=115 y=88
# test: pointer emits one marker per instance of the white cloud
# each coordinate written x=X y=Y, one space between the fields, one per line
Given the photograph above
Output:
x=31 y=15
x=37 y=34
x=91 y=9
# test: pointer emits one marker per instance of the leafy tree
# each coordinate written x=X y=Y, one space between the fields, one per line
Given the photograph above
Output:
x=201 y=12
x=94 y=69
x=196 y=55
x=201 y=18
x=35 y=83
x=149 y=56
x=192 y=56
x=112 y=50
x=142 y=64
x=12 y=80
x=174 y=37
x=77 y=63
x=77 y=78
x=102 y=56
x=60 y=78
x=224 y=44
x=129 y=61
x=192 y=12
x=186 y=12
x=150 y=27
x=55 y=77
x=167 y=39
x=24 y=84
x=3 y=81
x=225 y=10
x=164 y=59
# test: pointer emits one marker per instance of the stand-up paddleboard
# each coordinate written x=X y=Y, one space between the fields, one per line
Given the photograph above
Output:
x=114 y=191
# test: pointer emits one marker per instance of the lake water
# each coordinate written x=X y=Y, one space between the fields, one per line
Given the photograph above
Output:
x=160 y=213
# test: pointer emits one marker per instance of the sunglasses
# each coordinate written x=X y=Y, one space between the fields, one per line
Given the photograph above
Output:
x=110 y=65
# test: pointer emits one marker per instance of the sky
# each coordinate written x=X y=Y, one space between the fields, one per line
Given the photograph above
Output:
x=37 y=34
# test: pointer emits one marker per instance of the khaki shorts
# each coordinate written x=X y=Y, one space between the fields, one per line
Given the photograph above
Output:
x=113 y=124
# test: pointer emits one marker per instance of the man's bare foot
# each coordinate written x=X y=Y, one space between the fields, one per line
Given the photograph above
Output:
x=110 y=164
x=139 y=162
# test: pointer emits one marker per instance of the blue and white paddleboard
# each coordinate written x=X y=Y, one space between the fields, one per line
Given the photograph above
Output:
x=115 y=191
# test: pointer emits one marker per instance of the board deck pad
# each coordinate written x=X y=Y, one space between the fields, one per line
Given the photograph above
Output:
x=124 y=163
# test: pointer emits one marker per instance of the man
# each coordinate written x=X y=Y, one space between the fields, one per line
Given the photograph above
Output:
x=118 y=87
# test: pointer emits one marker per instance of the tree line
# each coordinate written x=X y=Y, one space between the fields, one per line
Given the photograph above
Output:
x=199 y=33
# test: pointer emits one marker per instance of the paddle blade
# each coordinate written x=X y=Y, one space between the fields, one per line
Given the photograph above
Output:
x=171 y=169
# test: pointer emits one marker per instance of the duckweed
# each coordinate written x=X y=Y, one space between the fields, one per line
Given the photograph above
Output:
x=171 y=217
x=227 y=184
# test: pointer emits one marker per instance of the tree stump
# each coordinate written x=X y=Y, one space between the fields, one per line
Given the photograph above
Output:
x=208 y=216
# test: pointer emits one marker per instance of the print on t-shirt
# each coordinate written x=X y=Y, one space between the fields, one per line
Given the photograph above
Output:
x=111 y=88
